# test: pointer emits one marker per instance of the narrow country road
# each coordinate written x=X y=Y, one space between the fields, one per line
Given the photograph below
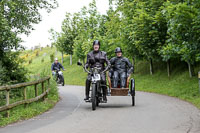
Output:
x=152 y=114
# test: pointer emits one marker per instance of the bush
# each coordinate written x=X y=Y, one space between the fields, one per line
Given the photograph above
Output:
x=2 y=73
x=42 y=60
x=52 y=57
x=30 y=61
x=37 y=53
x=11 y=69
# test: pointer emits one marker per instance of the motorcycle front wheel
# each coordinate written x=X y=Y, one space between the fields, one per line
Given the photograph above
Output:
x=62 y=81
x=93 y=97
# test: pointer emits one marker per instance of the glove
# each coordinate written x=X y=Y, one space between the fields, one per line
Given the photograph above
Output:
x=86 y=66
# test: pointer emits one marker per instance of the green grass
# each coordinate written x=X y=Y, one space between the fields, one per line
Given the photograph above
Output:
x=179 y=84
x=74 y=75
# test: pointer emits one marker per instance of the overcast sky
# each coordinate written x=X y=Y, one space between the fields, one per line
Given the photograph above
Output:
x=54 y=20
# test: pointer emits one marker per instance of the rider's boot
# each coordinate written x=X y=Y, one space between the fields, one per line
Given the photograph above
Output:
x=104 y=98
x=104 y=94
x=87 y=90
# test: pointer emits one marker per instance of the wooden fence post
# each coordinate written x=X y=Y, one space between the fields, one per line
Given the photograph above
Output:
x=199 y=80
x=36 y=90
x=25 y=96
x=43 y=90
x=7 y=102
x=48 y=86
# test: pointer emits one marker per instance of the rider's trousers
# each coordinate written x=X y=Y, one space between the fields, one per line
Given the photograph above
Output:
x=119 y=75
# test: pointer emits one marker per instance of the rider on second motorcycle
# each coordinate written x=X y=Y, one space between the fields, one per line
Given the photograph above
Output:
x=56 y=65
x=97 y=58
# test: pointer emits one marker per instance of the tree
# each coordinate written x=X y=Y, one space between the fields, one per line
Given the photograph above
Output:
x=87 y=30
x=64 y=41
x=17 y=17
x=147 y=35
x=183 y=31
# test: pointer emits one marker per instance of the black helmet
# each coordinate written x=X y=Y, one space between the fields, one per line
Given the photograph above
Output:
x=118 y=49
x=96 y=42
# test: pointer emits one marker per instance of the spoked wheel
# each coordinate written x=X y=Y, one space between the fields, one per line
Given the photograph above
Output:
x=62 y=81
x=133 y=91
x=93 y=98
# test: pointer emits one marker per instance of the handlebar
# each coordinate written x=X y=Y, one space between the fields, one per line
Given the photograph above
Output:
x=86 y=69
x=96 y=68
x=105 y=69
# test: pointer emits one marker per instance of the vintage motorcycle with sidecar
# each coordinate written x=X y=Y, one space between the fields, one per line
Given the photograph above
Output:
x=96 y=95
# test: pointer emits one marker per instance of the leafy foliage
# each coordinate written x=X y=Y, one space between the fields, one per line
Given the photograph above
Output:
x=151 y=30
x=17 y=17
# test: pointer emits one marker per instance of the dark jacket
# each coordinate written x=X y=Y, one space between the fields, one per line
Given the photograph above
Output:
x=97 y=59
x=121 y=64
x=58 y=65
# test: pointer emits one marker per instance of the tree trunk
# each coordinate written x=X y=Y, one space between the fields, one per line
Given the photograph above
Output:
x=151 y=66
x=133 y=61
x=168 y=68
x=70 y=59
x=191 y=69
x=62 y=57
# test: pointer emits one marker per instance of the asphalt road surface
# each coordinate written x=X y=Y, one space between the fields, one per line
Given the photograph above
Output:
x=152 y=114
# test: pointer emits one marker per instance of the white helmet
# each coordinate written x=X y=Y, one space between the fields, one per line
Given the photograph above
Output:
x=56 y=59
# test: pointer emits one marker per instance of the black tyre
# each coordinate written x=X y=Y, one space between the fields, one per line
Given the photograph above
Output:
x=133 y=100
x=97 y=102
x=62 y=81
x=133 y=91
x=93 y=97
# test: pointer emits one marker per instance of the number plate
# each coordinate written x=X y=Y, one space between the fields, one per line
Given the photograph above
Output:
x=96 y=77
x=60 y=73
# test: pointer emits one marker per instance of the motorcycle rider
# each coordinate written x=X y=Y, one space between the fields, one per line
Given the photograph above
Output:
x=55 y=65
x=97 y=58
x=121 y=68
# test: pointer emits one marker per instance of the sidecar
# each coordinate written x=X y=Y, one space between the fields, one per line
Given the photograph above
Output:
x=128 y=91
